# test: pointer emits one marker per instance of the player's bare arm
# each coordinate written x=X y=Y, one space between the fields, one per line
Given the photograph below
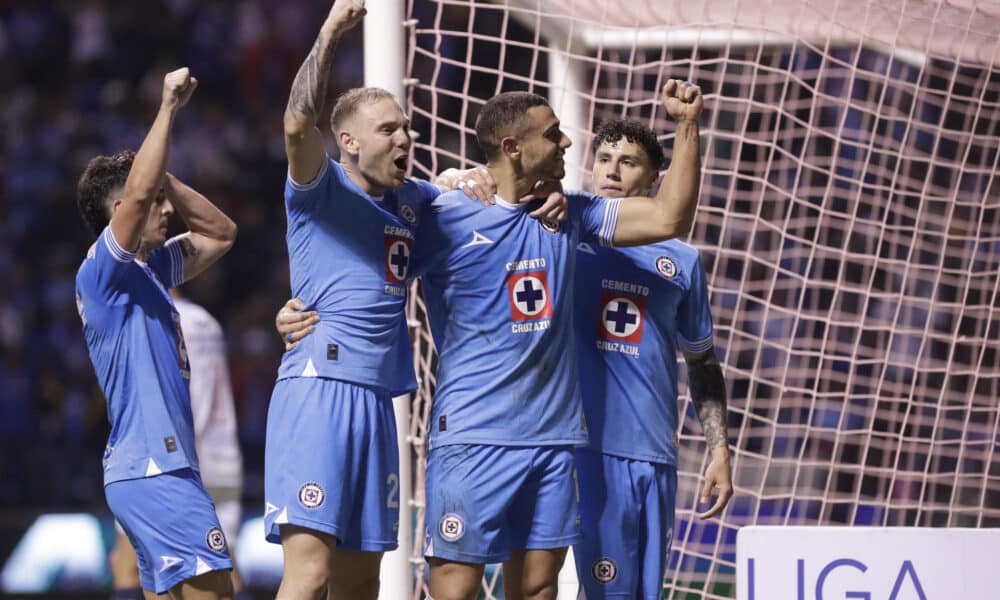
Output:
x=150 y=164
x=670 y=213
x=210 y=232
x=708 y=392
x=303 y=140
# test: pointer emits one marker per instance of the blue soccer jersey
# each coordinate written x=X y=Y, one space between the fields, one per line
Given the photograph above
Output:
x=498 y=289
x=133 y=333
x=634 y=307
x=349 y=256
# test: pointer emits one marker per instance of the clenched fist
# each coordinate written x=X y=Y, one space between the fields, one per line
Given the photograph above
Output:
x=347 y=13
x=682 y=99
x=177 y=88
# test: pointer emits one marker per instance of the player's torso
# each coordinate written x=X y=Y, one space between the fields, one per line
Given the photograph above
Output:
x=626 y=304
x=500 y=305
x=349 y=260
x=141 y=361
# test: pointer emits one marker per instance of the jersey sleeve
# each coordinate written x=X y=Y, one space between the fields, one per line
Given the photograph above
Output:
x=428 y=191
x=168 y=262
x=301 y=197
x=694 y=315
x=430 y=245
x=597 y=216
x=105 y=264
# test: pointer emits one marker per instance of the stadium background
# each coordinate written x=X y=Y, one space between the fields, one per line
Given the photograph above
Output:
x=858 y=328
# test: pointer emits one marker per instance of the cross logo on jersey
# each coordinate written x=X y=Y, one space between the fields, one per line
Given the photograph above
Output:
x=621 y=317
x=397 y=259
x=529 y=296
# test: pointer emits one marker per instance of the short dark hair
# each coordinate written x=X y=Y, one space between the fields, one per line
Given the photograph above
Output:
x=348 y=102
x=103 y=175
x=503 y=115
x=635 y=132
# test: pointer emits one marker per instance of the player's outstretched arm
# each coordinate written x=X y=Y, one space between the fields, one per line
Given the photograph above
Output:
x=708 y=392
x=670 y=213
x=210 y=232
x=150 y=164
x=294 y=323
x=303 y=141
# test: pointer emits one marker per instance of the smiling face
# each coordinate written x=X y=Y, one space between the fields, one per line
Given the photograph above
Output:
x=380 y=138
x=543 y=145
x=622 y=169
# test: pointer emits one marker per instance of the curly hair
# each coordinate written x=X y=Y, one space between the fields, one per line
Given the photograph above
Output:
x=103 y=175
x=635 y=132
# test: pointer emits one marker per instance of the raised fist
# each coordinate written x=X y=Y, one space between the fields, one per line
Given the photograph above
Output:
x=348 y=13
x=682 y=99
x=177 y=88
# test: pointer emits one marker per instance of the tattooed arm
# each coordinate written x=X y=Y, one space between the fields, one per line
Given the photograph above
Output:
x=303 y=141
x=211 y=233
x=708 y=391
x=643 y=220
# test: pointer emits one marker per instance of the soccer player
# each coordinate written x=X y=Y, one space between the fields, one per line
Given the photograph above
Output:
x=216 y=441
x=633 y=306
x=331 y=472
x=507 y=409
x=133 y=333
x=499 y=294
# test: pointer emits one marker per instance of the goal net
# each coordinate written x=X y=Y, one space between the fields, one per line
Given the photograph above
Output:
x=849 y=224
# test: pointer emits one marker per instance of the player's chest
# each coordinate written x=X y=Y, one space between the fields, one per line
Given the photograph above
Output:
x=655 y=278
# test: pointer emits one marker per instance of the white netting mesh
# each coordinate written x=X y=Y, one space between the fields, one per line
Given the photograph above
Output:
x=849 y=224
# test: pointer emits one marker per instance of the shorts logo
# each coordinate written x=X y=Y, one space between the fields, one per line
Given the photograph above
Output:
x=621 y=318
x=550 y=225
x=311 y=495
x=397 y=259
x=451 y=527
x=529 y=296
x=406 y=211
x=604 y=570
x=666 y=267
x=215 y=539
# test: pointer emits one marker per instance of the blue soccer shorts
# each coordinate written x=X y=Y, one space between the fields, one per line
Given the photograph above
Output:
x=331 y=463
x=171 y=523
x=627 y=510
x=485 y=501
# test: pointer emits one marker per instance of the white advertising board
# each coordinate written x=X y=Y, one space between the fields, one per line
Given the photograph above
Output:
x=867 y=563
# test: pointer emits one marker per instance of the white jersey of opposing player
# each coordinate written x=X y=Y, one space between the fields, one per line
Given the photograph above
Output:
x=212 y=405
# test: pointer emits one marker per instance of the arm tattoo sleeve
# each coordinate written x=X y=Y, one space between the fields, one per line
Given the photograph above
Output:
x=708 y=391
x=309 y=87
x=188 y=248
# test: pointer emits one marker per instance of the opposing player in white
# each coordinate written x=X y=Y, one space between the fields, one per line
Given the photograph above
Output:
x=215 y=438
x=633 y=307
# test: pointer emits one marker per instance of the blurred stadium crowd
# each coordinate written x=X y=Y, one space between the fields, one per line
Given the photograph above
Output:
x=83 y=77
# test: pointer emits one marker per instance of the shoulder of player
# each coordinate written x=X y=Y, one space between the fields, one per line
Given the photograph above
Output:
x=456 y=204
x=330 y=167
